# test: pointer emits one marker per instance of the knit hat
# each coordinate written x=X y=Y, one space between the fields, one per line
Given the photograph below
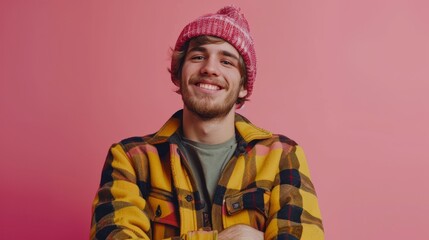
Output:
x=232 y=27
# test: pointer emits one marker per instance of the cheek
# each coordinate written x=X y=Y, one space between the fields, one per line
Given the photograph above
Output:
x=235 y=78
x=183 y=72
x=189 y=68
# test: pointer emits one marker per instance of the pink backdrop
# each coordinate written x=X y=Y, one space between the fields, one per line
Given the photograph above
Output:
x=348 y=80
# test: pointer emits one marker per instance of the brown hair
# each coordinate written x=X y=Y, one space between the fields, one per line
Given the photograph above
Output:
x=178 y=58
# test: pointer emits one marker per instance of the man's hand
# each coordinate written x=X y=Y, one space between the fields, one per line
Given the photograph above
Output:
x=241 y=232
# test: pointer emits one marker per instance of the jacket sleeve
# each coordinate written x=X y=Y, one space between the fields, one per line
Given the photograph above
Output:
x=119 y=210
x=294 y=211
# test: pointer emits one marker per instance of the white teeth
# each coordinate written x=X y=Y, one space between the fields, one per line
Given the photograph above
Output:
x=208 y=86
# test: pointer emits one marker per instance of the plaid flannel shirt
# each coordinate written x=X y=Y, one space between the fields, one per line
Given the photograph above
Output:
x=148 y=192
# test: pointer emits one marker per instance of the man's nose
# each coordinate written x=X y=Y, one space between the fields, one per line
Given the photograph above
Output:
x=210 y=67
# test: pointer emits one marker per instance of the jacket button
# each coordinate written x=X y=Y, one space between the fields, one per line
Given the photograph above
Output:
x=189 y=198
x=158 y=211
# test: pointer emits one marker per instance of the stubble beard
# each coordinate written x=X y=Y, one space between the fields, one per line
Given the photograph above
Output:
x=205 y=109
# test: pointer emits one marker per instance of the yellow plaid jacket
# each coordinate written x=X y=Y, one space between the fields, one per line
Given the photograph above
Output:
x=148 y=192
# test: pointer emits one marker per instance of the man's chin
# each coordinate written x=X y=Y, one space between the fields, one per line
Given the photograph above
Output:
x=207 y=108
x=209 y=113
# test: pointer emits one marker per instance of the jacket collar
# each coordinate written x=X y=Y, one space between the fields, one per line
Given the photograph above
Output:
x=247 y=131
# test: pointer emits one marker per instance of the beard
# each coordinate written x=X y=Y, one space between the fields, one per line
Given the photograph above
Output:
x=205 y=108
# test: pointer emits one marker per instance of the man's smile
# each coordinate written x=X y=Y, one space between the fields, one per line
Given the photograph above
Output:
x=208 y=86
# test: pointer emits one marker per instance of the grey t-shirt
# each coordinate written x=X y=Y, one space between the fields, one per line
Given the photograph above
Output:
x=207 y=162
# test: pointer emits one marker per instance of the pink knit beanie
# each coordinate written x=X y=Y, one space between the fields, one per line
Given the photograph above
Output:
x=232 y=27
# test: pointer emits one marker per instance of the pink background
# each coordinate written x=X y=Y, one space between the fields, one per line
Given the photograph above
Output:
x=348 y=80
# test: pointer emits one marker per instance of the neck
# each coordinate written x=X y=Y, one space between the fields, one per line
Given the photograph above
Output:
x=208 y=131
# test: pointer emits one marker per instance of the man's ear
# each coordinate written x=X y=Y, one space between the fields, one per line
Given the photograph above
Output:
x=243 y=92
x=177 y=83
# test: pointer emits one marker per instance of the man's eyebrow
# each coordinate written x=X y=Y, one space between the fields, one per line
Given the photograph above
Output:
x=229 y=54
x=204 y=50
x=197 y=49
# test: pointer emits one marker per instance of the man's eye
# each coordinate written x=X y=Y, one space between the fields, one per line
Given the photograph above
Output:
x=226 y=62
x=197 y=58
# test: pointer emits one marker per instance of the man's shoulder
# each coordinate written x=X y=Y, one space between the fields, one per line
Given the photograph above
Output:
x=284 y=139
x=277 y=140
x=135 y=141
x=158 y=139
x=252 y=133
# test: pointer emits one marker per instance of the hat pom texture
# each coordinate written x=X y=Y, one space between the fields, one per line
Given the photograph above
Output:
x=230 y=25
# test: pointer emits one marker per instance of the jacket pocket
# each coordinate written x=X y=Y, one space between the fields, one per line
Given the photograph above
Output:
x=248 y=207
x=165 y=218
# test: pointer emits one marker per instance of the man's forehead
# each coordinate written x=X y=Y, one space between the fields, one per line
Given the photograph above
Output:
x=219 y=45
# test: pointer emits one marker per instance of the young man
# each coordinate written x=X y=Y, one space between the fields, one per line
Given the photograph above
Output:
x=208 y=173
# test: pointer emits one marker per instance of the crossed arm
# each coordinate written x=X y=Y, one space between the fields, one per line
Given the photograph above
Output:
x=128 y=202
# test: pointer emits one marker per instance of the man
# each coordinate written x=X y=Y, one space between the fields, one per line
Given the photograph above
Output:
x=208 y=173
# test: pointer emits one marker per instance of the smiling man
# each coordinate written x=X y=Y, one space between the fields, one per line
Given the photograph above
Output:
x=210 y=81
x=208 y=173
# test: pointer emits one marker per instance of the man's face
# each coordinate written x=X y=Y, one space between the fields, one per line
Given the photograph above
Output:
x=211 y=79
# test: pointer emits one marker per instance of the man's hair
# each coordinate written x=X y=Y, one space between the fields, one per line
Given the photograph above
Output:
x=178 y=59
